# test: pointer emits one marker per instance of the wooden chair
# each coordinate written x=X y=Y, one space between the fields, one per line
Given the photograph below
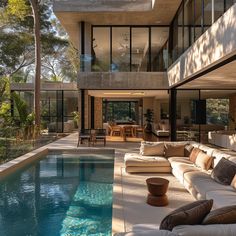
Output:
x=84 y=134
x=115 y=130
x=100 y=134
x=139 y=129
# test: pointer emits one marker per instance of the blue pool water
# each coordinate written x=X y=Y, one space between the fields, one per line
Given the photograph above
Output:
x=63 y=195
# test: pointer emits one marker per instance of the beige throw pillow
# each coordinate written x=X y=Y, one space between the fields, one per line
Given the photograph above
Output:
x=174 y=150
x=193 y=154
x=203 y=161
x=152 y=149
x=233 y=183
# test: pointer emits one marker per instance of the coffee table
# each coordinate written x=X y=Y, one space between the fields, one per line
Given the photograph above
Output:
x=157 y=188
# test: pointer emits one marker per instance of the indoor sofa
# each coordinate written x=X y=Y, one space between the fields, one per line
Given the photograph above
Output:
x=197 y=177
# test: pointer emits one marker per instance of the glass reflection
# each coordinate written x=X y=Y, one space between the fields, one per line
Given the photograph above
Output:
x=120 y=49
x=101 y=49
x=159 y=51
x=140 y=49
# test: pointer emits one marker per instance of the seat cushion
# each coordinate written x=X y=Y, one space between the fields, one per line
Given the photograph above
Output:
x=222 y=198
x=206 y=230
x=203 y=183
x=135 y=159
x=148 y=169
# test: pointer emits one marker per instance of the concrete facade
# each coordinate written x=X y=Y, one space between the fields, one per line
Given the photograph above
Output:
x=122 y=80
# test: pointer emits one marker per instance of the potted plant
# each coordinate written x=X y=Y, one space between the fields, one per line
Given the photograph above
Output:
x=76 y=118
x=149 y=119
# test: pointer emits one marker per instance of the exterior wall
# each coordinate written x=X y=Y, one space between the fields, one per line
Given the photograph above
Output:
x=215 y=45
x=98 y=113
x=232 y=112
x=122 y=80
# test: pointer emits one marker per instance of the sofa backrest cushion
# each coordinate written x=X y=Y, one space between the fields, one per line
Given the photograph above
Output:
x=174 y=150
x=188 y=149
x=152 y=149
x=223 y=215
x=224 y=172
x=193 y=154
x=203 y=161
x=218 y=155
x=190 y=214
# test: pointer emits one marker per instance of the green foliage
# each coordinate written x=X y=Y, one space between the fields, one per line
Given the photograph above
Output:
x=21 y=107
x=18 y=8
x=217 y=111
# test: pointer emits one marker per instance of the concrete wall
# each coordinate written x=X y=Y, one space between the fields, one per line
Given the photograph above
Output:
x=122 y=80
x=215 y=45
x=98 y=124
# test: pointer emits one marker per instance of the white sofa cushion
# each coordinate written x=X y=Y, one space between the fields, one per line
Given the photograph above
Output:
x=135 y=159
x=203 y=183
x=222 y=198
x=205 y=230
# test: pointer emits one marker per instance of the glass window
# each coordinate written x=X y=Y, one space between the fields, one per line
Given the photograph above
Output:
x=229 y=3
x=101 y=49
x=120 y=49
x=159 y=49
x=187 y=127
x=180 y=30
x=188 y=23
x=140 y=49
x=207 y=14
x=218 y=9
x=198 y=19
x=120 y=111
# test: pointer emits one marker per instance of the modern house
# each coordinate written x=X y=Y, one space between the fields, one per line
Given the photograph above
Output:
x=176 y=57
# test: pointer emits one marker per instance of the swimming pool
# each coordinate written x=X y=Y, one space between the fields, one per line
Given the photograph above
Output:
x=63 y=194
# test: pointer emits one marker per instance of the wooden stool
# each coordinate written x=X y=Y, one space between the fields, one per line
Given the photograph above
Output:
x=157 y=188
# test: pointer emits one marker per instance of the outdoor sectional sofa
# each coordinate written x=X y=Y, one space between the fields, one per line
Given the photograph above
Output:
x=196 y=180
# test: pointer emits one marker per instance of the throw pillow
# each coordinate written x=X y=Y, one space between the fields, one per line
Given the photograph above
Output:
x=224 y=171
x=193 y=154
x=187 y=150
x=152 y=149
x=190 y=214
x=203 y=161
x=233 y=183
x=174 y=150
x=224 y=215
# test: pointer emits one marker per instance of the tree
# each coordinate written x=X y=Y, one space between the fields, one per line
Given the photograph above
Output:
x=35 y=10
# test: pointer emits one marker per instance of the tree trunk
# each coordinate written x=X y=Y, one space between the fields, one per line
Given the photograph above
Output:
x=35 y=10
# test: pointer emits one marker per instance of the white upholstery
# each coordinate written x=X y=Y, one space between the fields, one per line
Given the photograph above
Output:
x=225 y=197
x=205 y=230
x=199 y=183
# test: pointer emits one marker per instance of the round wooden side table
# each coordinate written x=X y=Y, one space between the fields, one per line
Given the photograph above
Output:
x=157 y=188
